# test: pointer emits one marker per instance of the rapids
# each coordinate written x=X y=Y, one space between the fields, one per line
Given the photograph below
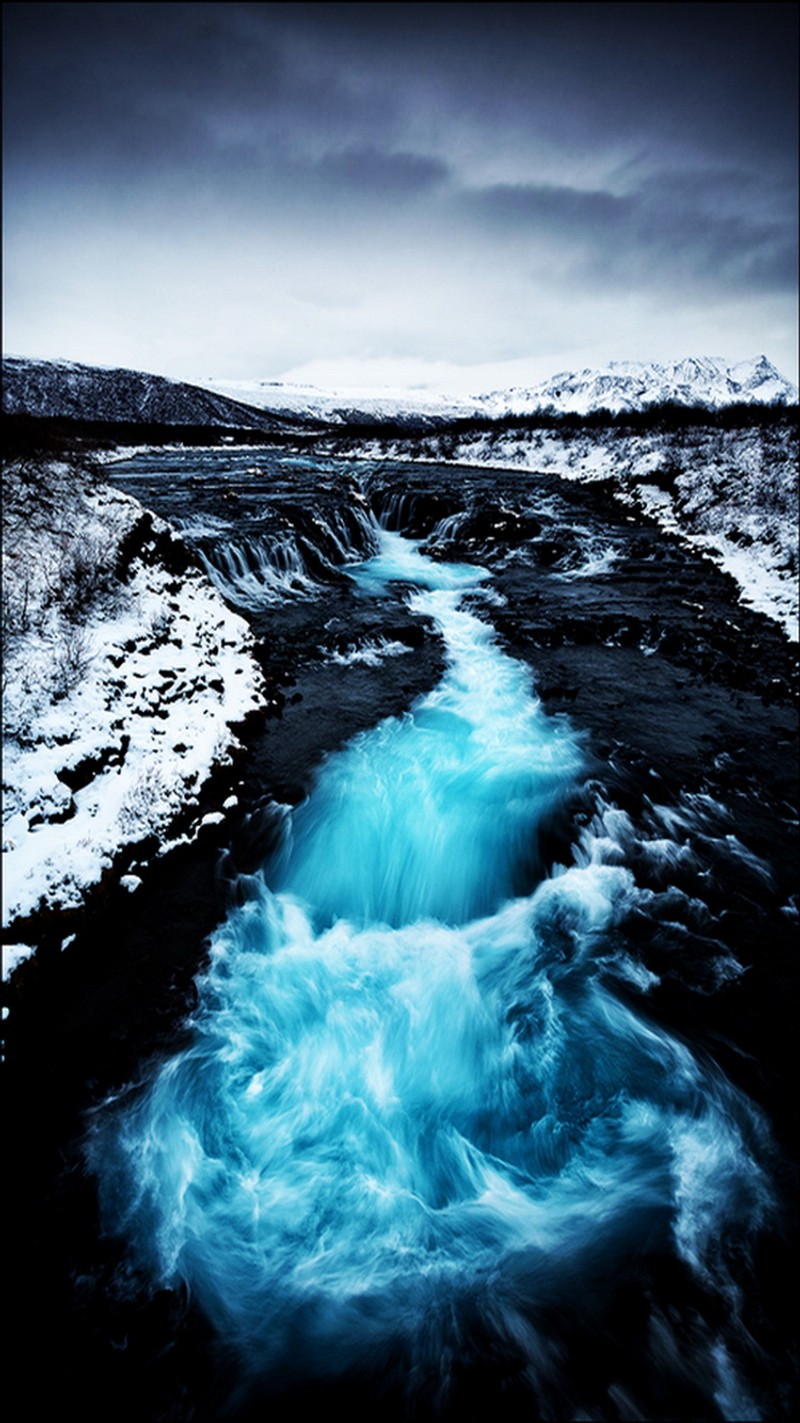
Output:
x=416 y=1131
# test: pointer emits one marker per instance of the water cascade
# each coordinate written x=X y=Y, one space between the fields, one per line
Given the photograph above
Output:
x=415 y=1125
x=255 y=572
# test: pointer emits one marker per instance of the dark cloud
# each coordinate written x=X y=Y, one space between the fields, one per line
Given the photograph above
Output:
x=719 y=77
x=117 y=81
x=671 y=228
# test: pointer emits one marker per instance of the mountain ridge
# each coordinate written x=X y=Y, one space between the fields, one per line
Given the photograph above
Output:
x=72 y=390
x=621 y=385
x=635 y=385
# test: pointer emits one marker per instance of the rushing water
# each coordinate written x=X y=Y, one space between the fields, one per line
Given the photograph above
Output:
x=415 y=1122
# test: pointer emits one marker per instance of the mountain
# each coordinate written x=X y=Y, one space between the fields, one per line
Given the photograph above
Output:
x=66 y=390
x=621 y=385
x=635 y=385
x=350 y=404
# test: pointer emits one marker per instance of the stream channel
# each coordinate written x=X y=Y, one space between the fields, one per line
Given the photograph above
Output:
x=448 y=1078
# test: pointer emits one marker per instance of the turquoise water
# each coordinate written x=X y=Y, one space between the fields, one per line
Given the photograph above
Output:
x=410 y=1096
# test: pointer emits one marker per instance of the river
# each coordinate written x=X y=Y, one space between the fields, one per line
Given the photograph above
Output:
x=473 y=1111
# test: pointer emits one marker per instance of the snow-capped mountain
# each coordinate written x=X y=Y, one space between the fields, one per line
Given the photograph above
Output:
x=634 y=385
x=67 y=390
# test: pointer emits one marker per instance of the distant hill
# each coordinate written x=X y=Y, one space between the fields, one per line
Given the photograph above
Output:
x=65 y=390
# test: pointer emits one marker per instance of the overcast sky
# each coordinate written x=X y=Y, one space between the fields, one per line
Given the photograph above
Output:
x=458 y=195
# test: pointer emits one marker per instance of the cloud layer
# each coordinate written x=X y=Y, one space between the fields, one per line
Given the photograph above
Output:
x=250 y=189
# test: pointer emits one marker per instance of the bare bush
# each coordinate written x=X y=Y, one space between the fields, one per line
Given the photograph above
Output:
x=150 y=804
x=24 y=698
x=17 y=610
x=72 y=659
x=82 y=578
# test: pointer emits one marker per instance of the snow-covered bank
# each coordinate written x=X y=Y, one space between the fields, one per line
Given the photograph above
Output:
x=731 y=493
x=124 y=676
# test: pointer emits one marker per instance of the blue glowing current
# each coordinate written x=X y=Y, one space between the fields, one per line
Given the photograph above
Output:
x=408 y=1085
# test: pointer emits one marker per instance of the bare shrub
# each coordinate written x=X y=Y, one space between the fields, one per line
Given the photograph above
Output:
x=82 y=578
x=72 y=658
x=150 y=804
x=17 y=609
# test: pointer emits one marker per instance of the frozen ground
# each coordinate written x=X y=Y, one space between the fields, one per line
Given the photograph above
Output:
x=731 y=493
x=124 y=676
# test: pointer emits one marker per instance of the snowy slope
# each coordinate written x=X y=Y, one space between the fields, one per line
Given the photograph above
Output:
x=124 y=672
x=67 y=390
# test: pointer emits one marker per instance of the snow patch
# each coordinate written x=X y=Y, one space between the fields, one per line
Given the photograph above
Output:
x=14 y=955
